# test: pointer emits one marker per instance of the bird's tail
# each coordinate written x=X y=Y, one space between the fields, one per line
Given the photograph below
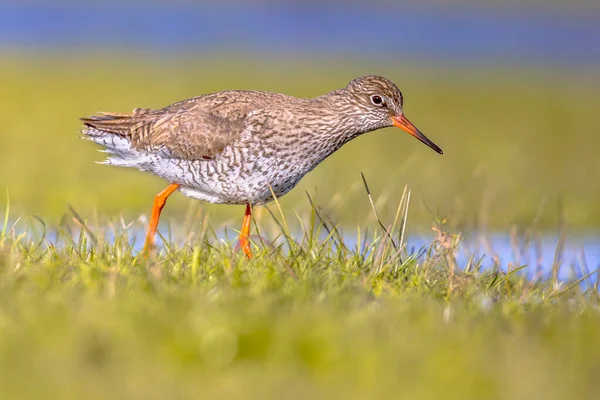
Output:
x=112 y=131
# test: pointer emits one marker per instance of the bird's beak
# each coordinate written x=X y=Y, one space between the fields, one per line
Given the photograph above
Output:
x=401 y=122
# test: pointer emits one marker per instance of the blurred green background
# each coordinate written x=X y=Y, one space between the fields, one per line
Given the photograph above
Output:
x=519 y=135
x=517 y=143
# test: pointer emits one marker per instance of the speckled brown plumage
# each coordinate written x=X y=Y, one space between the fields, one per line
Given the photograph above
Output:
x=228 y=147
x=240 y=147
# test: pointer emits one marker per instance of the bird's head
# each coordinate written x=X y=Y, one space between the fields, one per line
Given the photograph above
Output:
x=380 y=106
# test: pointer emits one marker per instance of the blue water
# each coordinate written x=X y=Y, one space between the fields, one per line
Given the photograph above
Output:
x=578 y=255
x=440 y=34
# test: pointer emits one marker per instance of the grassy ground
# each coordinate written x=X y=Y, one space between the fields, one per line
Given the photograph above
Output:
x=82 y=316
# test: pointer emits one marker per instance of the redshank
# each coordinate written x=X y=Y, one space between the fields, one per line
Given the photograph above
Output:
x=241 y=147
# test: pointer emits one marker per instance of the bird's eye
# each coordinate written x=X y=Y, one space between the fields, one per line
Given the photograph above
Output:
x=377 y=100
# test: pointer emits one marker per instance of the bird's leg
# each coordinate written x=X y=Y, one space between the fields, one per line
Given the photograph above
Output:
x=245 y=232
x=159 y=202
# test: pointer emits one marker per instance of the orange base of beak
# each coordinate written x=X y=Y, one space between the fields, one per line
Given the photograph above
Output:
x=403 y=123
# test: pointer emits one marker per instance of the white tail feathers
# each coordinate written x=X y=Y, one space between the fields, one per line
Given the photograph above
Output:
x=118 y=148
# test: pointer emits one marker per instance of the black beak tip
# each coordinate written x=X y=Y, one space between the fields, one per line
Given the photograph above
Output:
x=433 y=146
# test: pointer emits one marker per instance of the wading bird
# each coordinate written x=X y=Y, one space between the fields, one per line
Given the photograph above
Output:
x=243 y=147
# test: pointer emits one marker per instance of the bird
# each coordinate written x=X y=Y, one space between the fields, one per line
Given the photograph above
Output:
x=242 y=146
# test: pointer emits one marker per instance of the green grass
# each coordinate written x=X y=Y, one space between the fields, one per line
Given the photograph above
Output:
x=82 y=316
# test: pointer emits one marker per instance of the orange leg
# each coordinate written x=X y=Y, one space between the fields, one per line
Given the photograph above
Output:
x=159 y=202
x=245 y=232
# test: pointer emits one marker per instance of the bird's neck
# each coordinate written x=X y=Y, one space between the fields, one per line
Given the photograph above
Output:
x=336 y=115
x=325 y=124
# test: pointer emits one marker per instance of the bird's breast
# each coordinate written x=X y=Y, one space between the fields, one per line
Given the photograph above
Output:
x=260 y=165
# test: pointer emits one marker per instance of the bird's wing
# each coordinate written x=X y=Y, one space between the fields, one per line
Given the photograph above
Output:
x=194 y=129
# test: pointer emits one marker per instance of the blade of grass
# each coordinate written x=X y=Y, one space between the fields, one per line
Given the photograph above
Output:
x=376 y=213
x=5 y=224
